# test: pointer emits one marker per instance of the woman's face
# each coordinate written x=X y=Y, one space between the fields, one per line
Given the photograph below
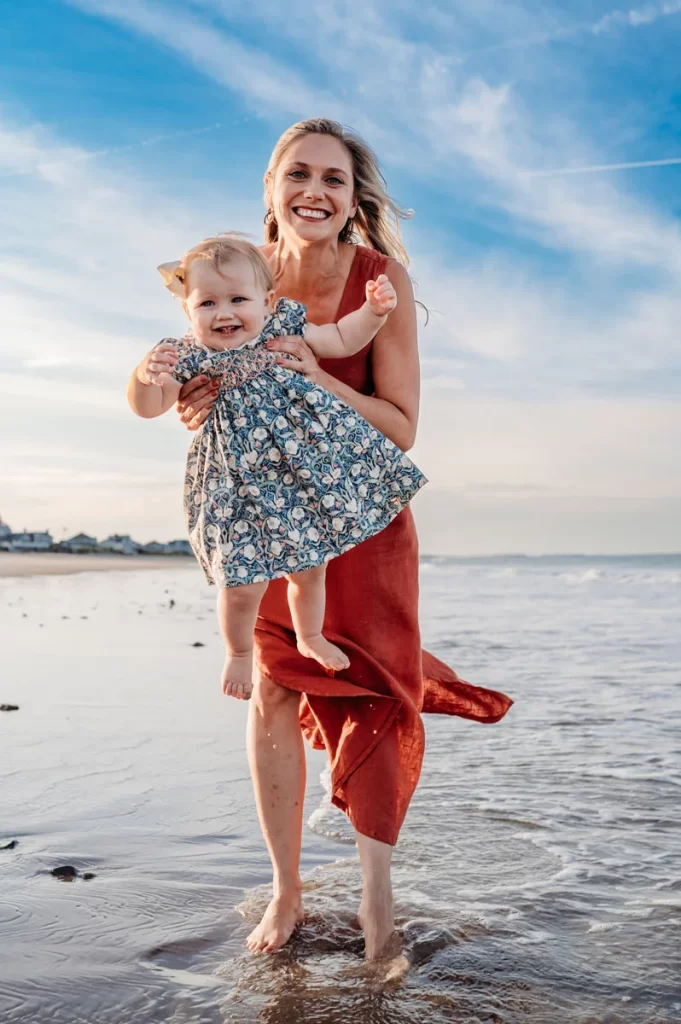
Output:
x=313 y=193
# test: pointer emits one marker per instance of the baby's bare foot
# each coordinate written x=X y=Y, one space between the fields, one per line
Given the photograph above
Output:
x=327 y=654
x=237 y=675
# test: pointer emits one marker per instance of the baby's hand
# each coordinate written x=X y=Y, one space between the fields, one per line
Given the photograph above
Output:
x=157 y=366
x=381 y=296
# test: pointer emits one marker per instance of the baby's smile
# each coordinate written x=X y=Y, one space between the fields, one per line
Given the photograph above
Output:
x=227 y=329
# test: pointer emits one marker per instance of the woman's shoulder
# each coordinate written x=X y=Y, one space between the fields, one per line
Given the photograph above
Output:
x=369 y=263
x=372 y=256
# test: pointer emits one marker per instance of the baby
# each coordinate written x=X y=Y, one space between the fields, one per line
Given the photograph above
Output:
x=282 y=476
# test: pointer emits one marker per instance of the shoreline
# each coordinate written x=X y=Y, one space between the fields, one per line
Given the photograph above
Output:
x=55 y=563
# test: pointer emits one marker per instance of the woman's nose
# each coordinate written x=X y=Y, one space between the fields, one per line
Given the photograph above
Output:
x=313 y=189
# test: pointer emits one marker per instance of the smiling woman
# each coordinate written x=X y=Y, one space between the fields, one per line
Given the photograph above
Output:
x=324 y=192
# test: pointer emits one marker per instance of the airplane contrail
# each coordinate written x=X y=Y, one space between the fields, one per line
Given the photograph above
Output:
x=598 y=168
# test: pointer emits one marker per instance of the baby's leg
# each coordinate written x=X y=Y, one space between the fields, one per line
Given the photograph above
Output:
x=307 y=601
x=237 y=612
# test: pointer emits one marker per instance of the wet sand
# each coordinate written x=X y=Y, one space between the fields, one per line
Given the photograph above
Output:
x=49 y=563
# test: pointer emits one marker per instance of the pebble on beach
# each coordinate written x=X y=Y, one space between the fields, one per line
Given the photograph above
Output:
x=197 y=643
x=66 y=873
x=9 y=707
x=10 y=845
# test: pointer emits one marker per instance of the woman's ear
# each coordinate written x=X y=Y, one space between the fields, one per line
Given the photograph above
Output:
x=355 y=206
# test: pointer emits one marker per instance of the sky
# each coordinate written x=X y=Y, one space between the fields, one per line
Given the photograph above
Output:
x=539 y=145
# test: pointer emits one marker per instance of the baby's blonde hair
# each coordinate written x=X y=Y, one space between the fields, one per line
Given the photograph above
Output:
x=223 y=249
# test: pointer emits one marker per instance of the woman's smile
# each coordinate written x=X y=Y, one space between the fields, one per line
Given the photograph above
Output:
x=311 y=213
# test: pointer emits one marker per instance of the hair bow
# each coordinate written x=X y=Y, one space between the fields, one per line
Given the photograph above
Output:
x=173 y=277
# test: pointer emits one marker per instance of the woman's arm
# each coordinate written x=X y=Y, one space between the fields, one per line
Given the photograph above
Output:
x=393 y=408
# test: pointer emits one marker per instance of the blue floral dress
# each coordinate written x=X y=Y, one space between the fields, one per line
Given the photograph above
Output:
x=282 y=476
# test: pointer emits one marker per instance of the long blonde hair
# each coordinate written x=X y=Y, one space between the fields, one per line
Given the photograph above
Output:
x=377 y=220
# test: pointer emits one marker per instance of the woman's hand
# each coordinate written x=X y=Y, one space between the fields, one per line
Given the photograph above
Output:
x=196 y=400
x=296 y=354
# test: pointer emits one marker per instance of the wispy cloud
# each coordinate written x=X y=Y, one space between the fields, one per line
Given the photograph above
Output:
x=636 y=17
x=648 y=14
x=254 y=74
x=26 y=157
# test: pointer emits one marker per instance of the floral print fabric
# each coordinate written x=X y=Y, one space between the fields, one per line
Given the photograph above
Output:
x=282 y=476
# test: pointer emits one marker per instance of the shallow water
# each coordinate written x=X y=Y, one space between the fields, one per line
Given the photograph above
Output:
x=539 y=872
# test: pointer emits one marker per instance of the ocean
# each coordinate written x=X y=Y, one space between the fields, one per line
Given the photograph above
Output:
x=538 y=876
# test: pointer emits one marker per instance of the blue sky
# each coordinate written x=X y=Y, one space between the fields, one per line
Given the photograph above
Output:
x=551 y=260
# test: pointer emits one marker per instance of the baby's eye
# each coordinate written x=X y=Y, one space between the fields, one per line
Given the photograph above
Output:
x=239 y=298
x=206 y=302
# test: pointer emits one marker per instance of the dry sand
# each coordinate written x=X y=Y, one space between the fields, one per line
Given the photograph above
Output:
x=49 y=563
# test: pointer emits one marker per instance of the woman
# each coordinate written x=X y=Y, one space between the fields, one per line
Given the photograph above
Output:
x=323 y=189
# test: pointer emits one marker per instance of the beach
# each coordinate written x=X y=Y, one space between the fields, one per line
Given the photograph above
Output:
x=53 y=563
x=537 y=876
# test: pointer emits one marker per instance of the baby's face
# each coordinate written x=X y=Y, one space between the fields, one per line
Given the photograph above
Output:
x=226 y=308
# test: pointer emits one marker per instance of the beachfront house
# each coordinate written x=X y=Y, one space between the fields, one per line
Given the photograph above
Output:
x=80 y=543
x=119 y=545
x=153 y=548
x=5 y=531
x=5 y=537
x=179 y=547
x=32 y=541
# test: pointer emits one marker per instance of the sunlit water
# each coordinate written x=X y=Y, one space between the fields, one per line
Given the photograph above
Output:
x=538 y=876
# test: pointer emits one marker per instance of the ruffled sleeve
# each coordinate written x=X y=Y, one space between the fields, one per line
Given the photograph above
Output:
x=289 y=317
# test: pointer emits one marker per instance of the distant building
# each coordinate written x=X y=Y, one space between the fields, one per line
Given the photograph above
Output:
x=120 y=545
x=153 y=548
x=81 y=542
x=32 y=541
x=5 y=531
x=179 y=547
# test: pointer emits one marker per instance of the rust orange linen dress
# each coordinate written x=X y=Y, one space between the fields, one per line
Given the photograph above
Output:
x=368 y=718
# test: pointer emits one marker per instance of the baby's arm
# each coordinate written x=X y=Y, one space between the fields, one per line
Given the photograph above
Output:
x=153 y=389
x=354 y=331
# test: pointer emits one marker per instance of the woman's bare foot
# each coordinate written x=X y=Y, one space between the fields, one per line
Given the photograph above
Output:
x=376 y=920
x=237 y=675
x=326 y=653
x=280 y=920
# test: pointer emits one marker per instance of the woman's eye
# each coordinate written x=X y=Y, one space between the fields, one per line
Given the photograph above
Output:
x=335 y=181
x=296 y=174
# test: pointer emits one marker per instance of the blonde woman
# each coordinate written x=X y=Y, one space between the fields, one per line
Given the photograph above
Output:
x=330 y=227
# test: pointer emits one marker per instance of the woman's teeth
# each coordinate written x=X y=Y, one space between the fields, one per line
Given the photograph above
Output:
x=311 y=214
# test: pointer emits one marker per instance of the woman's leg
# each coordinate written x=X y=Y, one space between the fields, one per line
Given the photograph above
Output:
x=237 y=612
x=307 y=602
x=277 y=760
x=376 y=911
